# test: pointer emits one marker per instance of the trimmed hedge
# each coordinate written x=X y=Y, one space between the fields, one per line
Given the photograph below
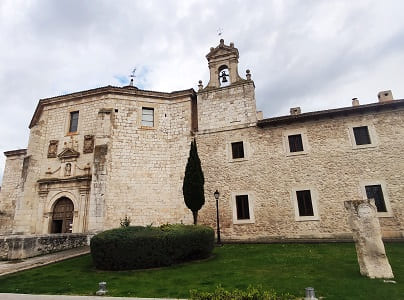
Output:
x=137 y=247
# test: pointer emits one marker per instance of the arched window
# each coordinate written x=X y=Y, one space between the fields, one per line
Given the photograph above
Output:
x=224 y=76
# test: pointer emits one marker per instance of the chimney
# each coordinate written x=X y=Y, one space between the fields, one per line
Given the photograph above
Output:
x=355 y=102
x=385 y=96
x=295 y=111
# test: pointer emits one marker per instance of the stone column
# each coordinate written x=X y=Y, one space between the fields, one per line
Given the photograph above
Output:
x=42 y=223
x=84 y=199
x=367 y=235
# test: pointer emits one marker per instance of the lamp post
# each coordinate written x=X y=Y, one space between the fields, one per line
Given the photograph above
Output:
x=217 y=194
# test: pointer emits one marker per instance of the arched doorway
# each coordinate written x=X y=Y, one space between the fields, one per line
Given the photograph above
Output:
x=62 y=216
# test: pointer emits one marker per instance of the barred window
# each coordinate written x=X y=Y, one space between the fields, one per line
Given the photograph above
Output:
x=295 y=143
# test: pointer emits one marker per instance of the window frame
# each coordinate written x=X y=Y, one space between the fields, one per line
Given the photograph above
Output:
x=314 y=203
x=144 y=109
x=250 y=199
x=229 y=150
x=147 y=105
x=69 y=119
x=388 y=213
x=372 y=136
x=295 y=144
x=238 y=150
x=298 y=131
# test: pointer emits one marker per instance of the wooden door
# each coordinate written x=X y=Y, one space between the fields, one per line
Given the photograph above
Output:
x=62 y=217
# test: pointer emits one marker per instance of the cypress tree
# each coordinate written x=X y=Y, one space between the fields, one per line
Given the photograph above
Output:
x=192 y=187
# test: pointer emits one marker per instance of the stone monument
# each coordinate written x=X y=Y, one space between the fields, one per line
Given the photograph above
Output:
x=367 y=235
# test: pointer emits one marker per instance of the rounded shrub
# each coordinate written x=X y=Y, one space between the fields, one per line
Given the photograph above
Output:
x=137 y=247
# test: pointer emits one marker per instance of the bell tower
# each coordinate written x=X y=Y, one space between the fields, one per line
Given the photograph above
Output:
x=223 y=65
x=228 y=101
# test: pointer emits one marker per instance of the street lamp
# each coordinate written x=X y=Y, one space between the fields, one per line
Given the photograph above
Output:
x=217 y=194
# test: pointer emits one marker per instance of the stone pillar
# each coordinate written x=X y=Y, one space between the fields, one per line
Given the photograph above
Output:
x=84 y=199
x=367 y=235
x=42 y=222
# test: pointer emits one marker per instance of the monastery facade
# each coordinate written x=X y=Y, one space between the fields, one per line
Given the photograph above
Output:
x=96 y=156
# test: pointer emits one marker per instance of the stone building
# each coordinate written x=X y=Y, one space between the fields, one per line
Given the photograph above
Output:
x=96 y=156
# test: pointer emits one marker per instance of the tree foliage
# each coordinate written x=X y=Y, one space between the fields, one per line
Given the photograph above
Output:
x=192 y=187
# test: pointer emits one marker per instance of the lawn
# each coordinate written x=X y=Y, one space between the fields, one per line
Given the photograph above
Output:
x=332 y=269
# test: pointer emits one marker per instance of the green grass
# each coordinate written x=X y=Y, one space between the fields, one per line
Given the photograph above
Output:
x=332 y=269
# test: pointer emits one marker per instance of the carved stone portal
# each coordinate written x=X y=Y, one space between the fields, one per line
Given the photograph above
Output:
x=367 y=235
x=53 y=148
x=88 y=146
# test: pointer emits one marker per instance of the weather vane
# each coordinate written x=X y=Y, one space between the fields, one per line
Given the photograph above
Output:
x=219 y=31
x=132 y=76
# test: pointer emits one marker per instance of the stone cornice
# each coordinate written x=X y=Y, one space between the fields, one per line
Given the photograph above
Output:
x=18 y=152
x=232 y=85
x=65 y=180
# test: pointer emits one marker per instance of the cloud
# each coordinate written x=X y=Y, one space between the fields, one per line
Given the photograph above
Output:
x=313 y=54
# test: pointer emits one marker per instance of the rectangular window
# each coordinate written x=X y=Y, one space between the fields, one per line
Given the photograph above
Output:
x=375 y=192
x=295 y=143
x=147 y=116
x=304 y=203
x=74 y=121
x=361 y=135
x=237 y=150
x=243 y=209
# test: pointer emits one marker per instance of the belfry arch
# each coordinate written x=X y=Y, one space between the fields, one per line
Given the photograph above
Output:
x=62 y=216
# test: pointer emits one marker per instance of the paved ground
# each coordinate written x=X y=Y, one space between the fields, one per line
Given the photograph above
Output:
x=61 y=297
x=8 y=267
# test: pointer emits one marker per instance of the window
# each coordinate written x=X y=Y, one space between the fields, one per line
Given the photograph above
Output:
x=304 y=203
x=375 y=192
x=243 y=207
x=361 y=135
x=295 y=143
x=74 y=121
x=243 y=210
x=147 y=117
x=237 y=150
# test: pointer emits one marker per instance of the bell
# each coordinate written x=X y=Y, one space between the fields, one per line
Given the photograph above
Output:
x=224 y=75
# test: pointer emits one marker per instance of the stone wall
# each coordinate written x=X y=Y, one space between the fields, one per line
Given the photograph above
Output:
x=227 y=107
x=33 y=215
x=20 y=247
x=131 y=170
x=12 y=185
x=147 y=164
x=331 y=167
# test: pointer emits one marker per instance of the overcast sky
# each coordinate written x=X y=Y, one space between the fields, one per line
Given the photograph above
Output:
x=312 y=54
